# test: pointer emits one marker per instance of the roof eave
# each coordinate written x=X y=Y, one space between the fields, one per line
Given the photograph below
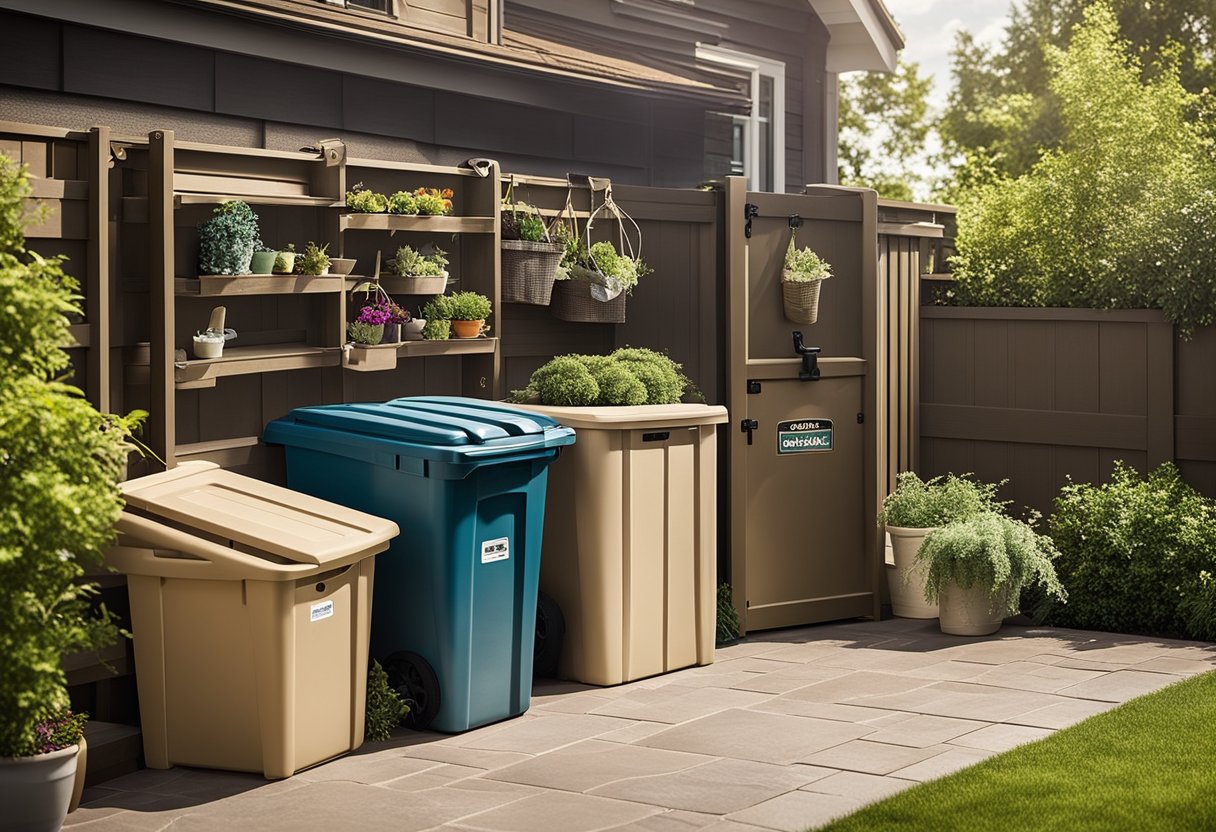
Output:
x=862 y=35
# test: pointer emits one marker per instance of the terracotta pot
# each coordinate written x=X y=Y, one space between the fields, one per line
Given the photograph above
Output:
x=908 y=593
x=971 y=611
x=467 y=329
x=35 y=791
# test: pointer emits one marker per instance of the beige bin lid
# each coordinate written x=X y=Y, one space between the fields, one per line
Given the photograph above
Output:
x=258 y=518
x=629 y=418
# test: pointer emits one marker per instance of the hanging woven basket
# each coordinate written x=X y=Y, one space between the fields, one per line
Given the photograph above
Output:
x=528 y=271
x=573 y=301
x=800 y=298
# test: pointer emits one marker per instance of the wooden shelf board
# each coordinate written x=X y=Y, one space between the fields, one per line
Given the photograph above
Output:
x=400 y=222
x=393 y=284
x=238 y=361
x=208 y=286
x=196 y=198
x=453 y=346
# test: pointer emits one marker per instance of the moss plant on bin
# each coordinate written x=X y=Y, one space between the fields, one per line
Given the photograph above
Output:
x=989 y=550
x=60 y=465
x=628 y=377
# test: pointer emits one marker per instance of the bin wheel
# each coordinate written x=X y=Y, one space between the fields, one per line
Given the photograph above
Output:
x=414 y=679
x=550 y=630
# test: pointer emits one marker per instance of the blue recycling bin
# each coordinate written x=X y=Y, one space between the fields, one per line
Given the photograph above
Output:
x=454 y=613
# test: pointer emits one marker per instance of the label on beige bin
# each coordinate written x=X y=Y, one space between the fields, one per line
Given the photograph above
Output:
x=497 y=549
x=804 y=436
x=322 y=610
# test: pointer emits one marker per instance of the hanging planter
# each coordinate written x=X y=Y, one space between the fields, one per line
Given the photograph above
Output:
x=801 y=279
x=594 y=287
x=530 y=257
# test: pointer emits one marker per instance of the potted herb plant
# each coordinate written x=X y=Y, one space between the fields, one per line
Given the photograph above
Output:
x=62 y=462
x=977 y=567
x=364 y=201
x=913 y=510
x=226 y=242
x=468 y=312
x=423 y=274
x=263 y=260
x=434 y=202
x=801 y=279
x=285 y=260
x=313 y=261
x=530 y=258
x=437 y=314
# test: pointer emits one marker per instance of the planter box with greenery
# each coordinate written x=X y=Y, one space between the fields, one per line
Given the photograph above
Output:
x=801 y=278
x=62 y=462
x=416 y=273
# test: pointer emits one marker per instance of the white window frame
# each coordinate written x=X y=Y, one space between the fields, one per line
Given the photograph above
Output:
x=757 y=66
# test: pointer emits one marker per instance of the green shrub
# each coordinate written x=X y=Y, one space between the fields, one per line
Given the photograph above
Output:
x=664 y=381
x=366 y=202
x=438 y=308
x=618 y=386
x=402 y=202
x=919 y=504
x=630 y=376
x=468 y=306
x=1121 y=215
x=385 y=707
x=1137 y=554
x=60 y=465
x=565 y=382
x=437 y=329
x=226 y=241
x=994 y=552
x=803 y=264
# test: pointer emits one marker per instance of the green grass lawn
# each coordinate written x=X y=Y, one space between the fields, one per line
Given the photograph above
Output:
x=1147 y=765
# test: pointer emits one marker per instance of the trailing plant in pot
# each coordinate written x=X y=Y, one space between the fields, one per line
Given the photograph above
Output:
x=976 y=569
x=468 y=312
x=801 y=278
x=226 y=242
x=60 y=465
x=314 y=260
x=913 y=510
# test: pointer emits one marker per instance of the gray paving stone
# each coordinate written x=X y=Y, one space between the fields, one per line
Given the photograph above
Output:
x=475 y=757
x=865 y=788
x=857 y=685
x=543 y=733
x=1062 y=715
x=871 y=757
x=1044 y=678
x=796 y=811
x=1001 y=737
x=942 y=764
x=368 y=768
x=923 y=731
x=560 y=812
x=1120 y=686
x=795 y=677
x=1178 y=666
x=754 y=735
x=586 y=765
x=824 y=710
x=674 y=704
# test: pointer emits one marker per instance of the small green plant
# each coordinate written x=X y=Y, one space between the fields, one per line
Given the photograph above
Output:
x=403 y=202
x=364 y=333
x=366 y=202
x=438 y=308
x=408 y=262
x=60 y=732
x=385 y=707
x=728 y=616
x=226 y=242
x=522 y=222
x=1137 y=555
x=437 y=329
x=803 y=264
x=313 y=260
x=624 y=272
x=920 y=504
x=468 y=306
x=1001 y=555
x=60 y=465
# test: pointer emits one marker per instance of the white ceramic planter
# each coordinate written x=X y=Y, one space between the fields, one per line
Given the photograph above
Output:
x=969 y=612
x=35 y=791
x=908 y=593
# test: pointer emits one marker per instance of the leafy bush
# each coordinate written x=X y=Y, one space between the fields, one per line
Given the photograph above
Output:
x=281 y=264
x=361 y=332
x=630 y=376
x=403 y=202
x=468 y=306
x=920 y=504
x=366 y=202
x=313 y=260
x=410 y=263
x=60 y=465
x=662 y=377
x=226 y=241
x=437 y=329
x=728 y=616
x=565 y=382
x=619 y=387
x=1121 y=215
x=1137 y=555
x=803 y=264
x=385 y=707
x=438 y=308
x=992 y=551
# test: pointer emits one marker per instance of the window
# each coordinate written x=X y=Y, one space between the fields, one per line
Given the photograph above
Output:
x=758 y=138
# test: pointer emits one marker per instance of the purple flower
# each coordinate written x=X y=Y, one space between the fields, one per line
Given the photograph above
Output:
x=377 y=314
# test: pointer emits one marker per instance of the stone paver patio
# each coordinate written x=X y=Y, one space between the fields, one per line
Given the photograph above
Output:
x=786 y=730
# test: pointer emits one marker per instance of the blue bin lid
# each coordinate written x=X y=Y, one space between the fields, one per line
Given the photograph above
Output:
x=441 y=428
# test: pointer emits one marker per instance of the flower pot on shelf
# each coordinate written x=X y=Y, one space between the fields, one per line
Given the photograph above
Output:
x=908 y=593
x=800 y=299
x=392 y=334
x=430 y=285
x=342 y=265
x=263 y=262
x=285 y=262
x=467 y=329
x=411 y=330
x=36 y=791
x=528 y=271
x=573 y=301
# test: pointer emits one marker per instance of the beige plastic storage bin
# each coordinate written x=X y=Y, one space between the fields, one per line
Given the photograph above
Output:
x=630 y=539
x=250 y=608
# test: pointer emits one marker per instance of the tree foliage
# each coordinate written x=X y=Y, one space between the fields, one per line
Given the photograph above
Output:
x=60 y=464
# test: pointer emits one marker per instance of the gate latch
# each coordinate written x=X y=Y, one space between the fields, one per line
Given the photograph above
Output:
x=750 y=211
x=747 y=426
x=810 y=359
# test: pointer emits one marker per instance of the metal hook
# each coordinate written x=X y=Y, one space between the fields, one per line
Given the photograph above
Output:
x=795 y=221
x=750 y=212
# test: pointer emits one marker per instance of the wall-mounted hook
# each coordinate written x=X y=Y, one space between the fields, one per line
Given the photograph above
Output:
x=795 y=221
x=750 y=212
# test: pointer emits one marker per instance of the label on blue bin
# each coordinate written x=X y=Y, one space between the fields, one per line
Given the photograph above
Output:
x=497 y=549
x=317 y=612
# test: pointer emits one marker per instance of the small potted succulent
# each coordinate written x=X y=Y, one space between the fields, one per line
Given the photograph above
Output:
x=367 y=329
x=285 y=259
x=422 y=274
x=976 y=569
x=801 y=278
x=263 y=260
x=468 y=312
x=433 y=202
x=226 y=242
x=436 y=313
x=910 y=513
x=313 y=261
x=364 y=201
